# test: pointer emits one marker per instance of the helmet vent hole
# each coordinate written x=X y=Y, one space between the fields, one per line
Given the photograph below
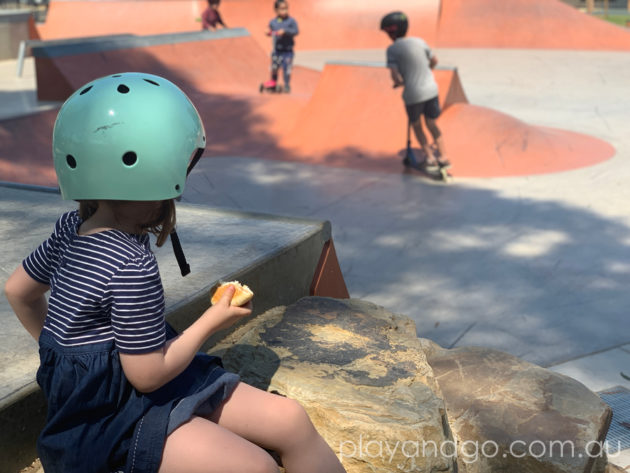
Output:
x=123 y=89
x=177 y=187
x=152 y=82
x=86 y=90
x=71 y=161
x=117 y=75
x=129 y=158
x=204 y=139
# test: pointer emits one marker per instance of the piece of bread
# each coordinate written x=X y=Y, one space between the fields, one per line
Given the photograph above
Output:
x=242 y=294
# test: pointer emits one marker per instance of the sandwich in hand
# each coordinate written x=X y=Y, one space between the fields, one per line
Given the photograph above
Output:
x=242 y=294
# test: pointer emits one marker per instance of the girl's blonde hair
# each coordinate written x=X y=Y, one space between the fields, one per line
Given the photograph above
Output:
x=161 y=226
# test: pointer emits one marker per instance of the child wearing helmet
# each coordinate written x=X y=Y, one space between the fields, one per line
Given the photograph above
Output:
x=125 y=393
x=283 y=28
x=411 y=61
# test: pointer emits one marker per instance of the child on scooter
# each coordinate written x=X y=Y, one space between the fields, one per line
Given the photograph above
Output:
x=411 y=61
x=283 y=28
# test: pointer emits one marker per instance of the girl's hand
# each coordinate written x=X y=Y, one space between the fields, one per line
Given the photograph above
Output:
x=225 y=315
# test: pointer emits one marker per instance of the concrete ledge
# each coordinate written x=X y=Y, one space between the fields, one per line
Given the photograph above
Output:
x=277 y=257
x=97 y=44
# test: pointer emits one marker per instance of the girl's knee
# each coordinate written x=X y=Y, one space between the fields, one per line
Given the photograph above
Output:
x=295 y=420
x=265 y=464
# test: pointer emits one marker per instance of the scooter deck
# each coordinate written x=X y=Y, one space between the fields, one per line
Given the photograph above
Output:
x=278 y=89
x=442 y=174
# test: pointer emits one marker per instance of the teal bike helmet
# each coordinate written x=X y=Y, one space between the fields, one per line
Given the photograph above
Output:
x=129 y=136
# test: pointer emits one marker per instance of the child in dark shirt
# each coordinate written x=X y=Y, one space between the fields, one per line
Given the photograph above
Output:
x=211 y=17
x=283 y=28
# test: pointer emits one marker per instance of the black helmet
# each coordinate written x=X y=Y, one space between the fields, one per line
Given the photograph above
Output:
x=395 y=24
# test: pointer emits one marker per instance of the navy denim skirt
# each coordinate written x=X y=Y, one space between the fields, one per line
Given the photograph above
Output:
x=97 y=422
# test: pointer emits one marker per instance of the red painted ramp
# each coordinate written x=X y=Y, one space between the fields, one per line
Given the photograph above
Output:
x=355 y=119
x=77 y=19
x=239 y=120
x=26 y=149
x=217 y=65
x=343 y=24
x=324 y=24
x=535 y=24
x=334 y=24
x=486 y=143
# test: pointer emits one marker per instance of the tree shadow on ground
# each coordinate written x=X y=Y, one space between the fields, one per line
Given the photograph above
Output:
x=541 y=279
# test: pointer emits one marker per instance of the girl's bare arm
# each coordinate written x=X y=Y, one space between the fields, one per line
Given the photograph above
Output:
x=150 y=371
x=28 y=300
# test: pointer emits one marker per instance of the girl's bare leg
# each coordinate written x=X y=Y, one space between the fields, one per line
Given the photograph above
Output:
x=201 y=446
x=279 y=424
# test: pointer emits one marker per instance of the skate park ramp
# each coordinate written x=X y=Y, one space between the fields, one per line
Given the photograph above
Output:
x=335 y=24
x=348 y=130
x=347 y=116
x=532 y=24
x=214 y=62
x=76 y=19
x=339 y=24
x=220 y=71
x=324 y=24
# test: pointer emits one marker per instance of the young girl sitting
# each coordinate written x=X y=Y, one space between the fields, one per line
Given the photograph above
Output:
x=125 y=393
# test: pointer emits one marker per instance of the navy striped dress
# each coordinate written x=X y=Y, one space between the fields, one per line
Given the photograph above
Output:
x=106 y=298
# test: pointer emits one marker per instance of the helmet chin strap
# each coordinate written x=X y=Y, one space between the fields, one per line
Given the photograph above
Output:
x=184 y=267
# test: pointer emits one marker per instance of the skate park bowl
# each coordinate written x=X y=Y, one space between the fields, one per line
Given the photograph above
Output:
x=363 y=127
x=316 y=123
x=545 y=24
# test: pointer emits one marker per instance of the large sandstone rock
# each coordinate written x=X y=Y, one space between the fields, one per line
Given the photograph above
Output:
x=531 y=419
x=378 y=394
x=360 y=373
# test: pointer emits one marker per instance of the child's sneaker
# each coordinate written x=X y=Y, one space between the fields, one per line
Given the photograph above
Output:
x=444 y=163
x=431 y=167
x=287 y=89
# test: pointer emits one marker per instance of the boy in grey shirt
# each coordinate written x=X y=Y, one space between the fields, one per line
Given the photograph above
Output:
x=411 y=61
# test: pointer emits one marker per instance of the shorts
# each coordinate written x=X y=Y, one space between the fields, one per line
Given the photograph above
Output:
x=430 y=108
x=282 y=59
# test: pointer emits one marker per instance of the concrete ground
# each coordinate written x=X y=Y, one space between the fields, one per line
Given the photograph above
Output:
x=536 y=266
